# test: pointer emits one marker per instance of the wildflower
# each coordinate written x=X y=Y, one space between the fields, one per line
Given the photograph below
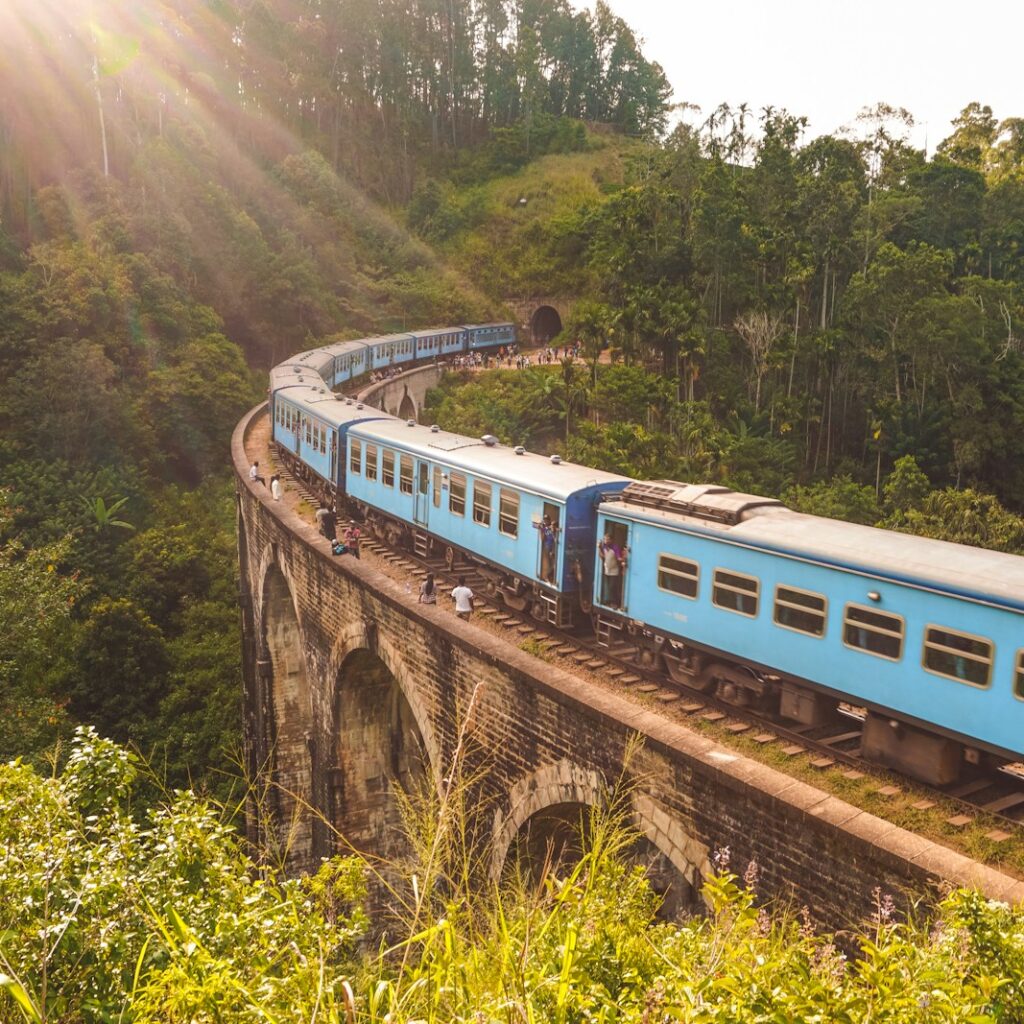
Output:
x=721 y=858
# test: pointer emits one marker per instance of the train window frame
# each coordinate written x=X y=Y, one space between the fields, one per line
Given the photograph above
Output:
x=801 y=608
x=989 y=662
x=695 y=577
x=1018 y=675
x=457 y=494
x=371 y=461
x=715 y=585
x=436 y=486
x=405 y=476
x=506 y=494
x=355 y=457
x=873 y=611
x=482 y=511
x=387 y=467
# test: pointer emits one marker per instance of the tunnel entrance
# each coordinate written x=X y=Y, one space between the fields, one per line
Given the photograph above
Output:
x=552 y=842
x=381 y=758
x=545 y=325
x=290 y=701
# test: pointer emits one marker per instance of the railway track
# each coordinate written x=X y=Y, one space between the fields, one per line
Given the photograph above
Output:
x=998 y=795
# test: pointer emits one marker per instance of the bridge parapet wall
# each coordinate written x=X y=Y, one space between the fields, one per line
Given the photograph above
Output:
x=404 y=394
x=542 y=736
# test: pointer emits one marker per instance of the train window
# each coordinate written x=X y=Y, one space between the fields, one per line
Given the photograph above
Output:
x=481 y=503
x=457 y=495
x=309 y=431
x=388 y=468
x=371 y=462
x=959 y=656
x=356 y=456
x=508 y=513
x=1018 y=679
x=678 y=575
x=800 y=610
x=437 y=487
x=735 y=592
x=872 y=631
x=405 y=474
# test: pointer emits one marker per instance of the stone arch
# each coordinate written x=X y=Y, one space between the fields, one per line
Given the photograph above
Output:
x=676 y=863
x=407 y=407
x=288 y=686
x=378 y=744
x=545 y=324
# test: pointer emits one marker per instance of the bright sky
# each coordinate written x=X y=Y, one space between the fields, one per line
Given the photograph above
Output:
x=827 y=59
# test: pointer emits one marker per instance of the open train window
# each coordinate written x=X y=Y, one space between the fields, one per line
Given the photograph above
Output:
x=405 y=474
x=356 y=456
x=508 y=513
x=959 y=656
x=736 y=592
x=481 y=503
x=873 y=632
x=1018 y=678
x=800 y=610
x=388 y=468
x=678 y=575
x=371 y=462
x=457 y=495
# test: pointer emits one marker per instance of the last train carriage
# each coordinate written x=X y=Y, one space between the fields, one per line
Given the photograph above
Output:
x=796 y=612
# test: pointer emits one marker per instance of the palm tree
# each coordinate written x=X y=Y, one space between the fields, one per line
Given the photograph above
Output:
x=103 y=514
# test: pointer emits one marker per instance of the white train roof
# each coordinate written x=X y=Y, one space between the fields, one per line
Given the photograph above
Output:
x=527 y=472
x=767 y=523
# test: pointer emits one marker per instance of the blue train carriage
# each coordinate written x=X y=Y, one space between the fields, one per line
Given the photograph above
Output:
x=489 y=336
x=926 y=636
x=309 y=428
x=349 y=360
x=391 y=350
x=526 y=521
x=440 y=342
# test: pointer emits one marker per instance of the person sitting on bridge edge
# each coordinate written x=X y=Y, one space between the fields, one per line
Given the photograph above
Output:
x=463 y=598
x=327 y=523
x=428 y=592
x=254 y=473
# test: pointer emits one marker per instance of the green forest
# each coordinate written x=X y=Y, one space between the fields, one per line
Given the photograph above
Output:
x=189 y=192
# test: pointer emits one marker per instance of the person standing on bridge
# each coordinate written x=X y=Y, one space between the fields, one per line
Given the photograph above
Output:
x=275 y=487
x=352 y=536
x=463 y=598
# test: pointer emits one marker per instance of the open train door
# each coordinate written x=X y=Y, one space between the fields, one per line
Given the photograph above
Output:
x=613 y=558
x=421 y=497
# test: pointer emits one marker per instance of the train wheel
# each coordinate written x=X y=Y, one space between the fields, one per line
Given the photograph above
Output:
x=539 y=610
x=394 y=537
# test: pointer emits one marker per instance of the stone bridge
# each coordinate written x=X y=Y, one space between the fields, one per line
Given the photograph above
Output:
x=355 y=694
x=404 y=395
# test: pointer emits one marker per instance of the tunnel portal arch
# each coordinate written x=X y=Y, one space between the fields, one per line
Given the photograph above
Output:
x=545 y=324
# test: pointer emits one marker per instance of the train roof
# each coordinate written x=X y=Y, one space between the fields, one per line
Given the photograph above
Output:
x=400 y=336
x=430 y=332
x=493 y=323
x=332 y=409
x=767 y=523
x=526 y=472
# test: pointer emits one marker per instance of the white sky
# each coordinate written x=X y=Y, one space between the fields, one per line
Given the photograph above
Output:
x=827 y=59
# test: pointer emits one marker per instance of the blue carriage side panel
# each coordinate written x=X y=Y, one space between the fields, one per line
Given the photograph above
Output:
x=992 y=715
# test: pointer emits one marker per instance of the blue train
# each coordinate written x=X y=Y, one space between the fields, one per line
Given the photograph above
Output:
x=729 y=592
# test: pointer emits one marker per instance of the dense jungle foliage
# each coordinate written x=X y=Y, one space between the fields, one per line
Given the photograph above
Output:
x=108 y=914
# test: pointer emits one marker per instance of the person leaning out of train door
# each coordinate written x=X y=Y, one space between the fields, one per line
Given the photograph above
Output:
x=548 y=536
x=463 y=598
x=612 y=560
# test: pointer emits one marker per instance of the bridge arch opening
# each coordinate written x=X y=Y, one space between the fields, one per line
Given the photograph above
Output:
x=407 y=407
x=553 y=840
x=284 y=660
x=545 y=324
x=381 y=759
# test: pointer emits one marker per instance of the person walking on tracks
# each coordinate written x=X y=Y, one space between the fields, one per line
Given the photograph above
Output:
x=463 y=598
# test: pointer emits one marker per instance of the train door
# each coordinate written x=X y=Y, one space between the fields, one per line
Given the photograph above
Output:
x=549 y=533
x=613 y=552
x=421 y=503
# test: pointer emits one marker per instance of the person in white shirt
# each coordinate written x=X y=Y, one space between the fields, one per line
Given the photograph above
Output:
x=275 y=487
x=254 y=474
x=463 y=598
